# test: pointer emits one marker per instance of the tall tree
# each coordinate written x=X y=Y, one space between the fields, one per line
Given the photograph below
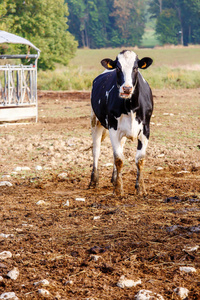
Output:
x=43 y=22
x=184 y=22
x=168 y=26
x=77 y=20
x=129 y=19
x=89 y=22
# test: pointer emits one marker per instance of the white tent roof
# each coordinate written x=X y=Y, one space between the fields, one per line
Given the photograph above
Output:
x=6 y=37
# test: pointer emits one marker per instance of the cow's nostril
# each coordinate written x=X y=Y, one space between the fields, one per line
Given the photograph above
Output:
x=127 y=89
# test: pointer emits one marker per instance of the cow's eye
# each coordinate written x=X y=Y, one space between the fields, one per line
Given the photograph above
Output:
x=118 y=69
x=135 y=69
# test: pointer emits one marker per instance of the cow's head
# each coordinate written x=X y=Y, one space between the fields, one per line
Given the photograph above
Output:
x=126 y=65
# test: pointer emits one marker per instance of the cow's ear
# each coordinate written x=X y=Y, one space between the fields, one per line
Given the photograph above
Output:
x=145 y=62
x=108 y=63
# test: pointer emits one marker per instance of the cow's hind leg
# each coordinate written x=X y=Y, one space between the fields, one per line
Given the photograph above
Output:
x=140 y=158
x=98 y=134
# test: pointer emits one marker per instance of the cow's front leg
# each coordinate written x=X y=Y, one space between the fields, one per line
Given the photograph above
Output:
x=118 y=185
x=114 y=174
x=97 y=137
x=140 y=158
x=117 y=145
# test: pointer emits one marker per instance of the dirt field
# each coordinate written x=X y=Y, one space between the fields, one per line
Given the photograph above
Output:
x=83 y=246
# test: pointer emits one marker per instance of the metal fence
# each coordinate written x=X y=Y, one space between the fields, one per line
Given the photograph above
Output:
x=18 y=90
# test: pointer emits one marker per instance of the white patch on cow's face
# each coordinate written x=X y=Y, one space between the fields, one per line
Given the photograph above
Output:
x=127 y=61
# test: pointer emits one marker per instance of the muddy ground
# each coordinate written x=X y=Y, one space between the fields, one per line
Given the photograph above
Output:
x=83 y=247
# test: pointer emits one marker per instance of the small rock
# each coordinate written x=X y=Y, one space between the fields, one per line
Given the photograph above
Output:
x=43 y=282
x=108 y=165
x=96 y=217
x=25 y=168
x=63 y=175
x=159 y=169
x=183 y=172
x=147 y=295
x=27 y=225
x=44 y=292
x=5 y=183
x=41 y=202
x=123 y=282
x=95 y=257
x=191 y=249
x=188 y=269
x=161 y=155
x=182 y=292
x=5 y=255
x=80 y=199
x=3 y=235
x=5 y=176
x=1 y=278
x=38 y=168
x=13 y=274
x=19 y=169
x=66 y=203
x=69 y=282
x=9 y=295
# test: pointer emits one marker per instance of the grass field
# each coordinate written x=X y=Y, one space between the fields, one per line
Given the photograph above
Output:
x=173 y=67
x=149 y=39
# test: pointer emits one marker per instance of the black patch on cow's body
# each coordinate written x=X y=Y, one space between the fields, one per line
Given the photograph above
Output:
x=108 y=106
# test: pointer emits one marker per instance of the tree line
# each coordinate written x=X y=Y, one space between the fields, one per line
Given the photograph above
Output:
x=58 y=27
x=107 y=23
x=112 y=23
x=177 y=21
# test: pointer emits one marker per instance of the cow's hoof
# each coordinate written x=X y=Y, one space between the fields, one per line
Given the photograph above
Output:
x=140 y=192
x=114 y=178
x=93 y=185
x=113 y=181
x=118 y=191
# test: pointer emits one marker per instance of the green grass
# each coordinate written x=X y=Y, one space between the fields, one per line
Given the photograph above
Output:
x=173 y=67
x=149 y=39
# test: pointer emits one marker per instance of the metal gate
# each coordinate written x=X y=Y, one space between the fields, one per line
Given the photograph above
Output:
x=18 y=85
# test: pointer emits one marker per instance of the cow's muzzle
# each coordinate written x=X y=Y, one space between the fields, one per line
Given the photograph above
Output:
x=126 y=91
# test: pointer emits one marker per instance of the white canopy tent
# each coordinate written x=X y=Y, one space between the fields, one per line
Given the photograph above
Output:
x=6 y=37
x=18 y=83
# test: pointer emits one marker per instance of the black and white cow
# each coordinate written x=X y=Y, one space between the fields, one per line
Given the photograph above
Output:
x=122 y=102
